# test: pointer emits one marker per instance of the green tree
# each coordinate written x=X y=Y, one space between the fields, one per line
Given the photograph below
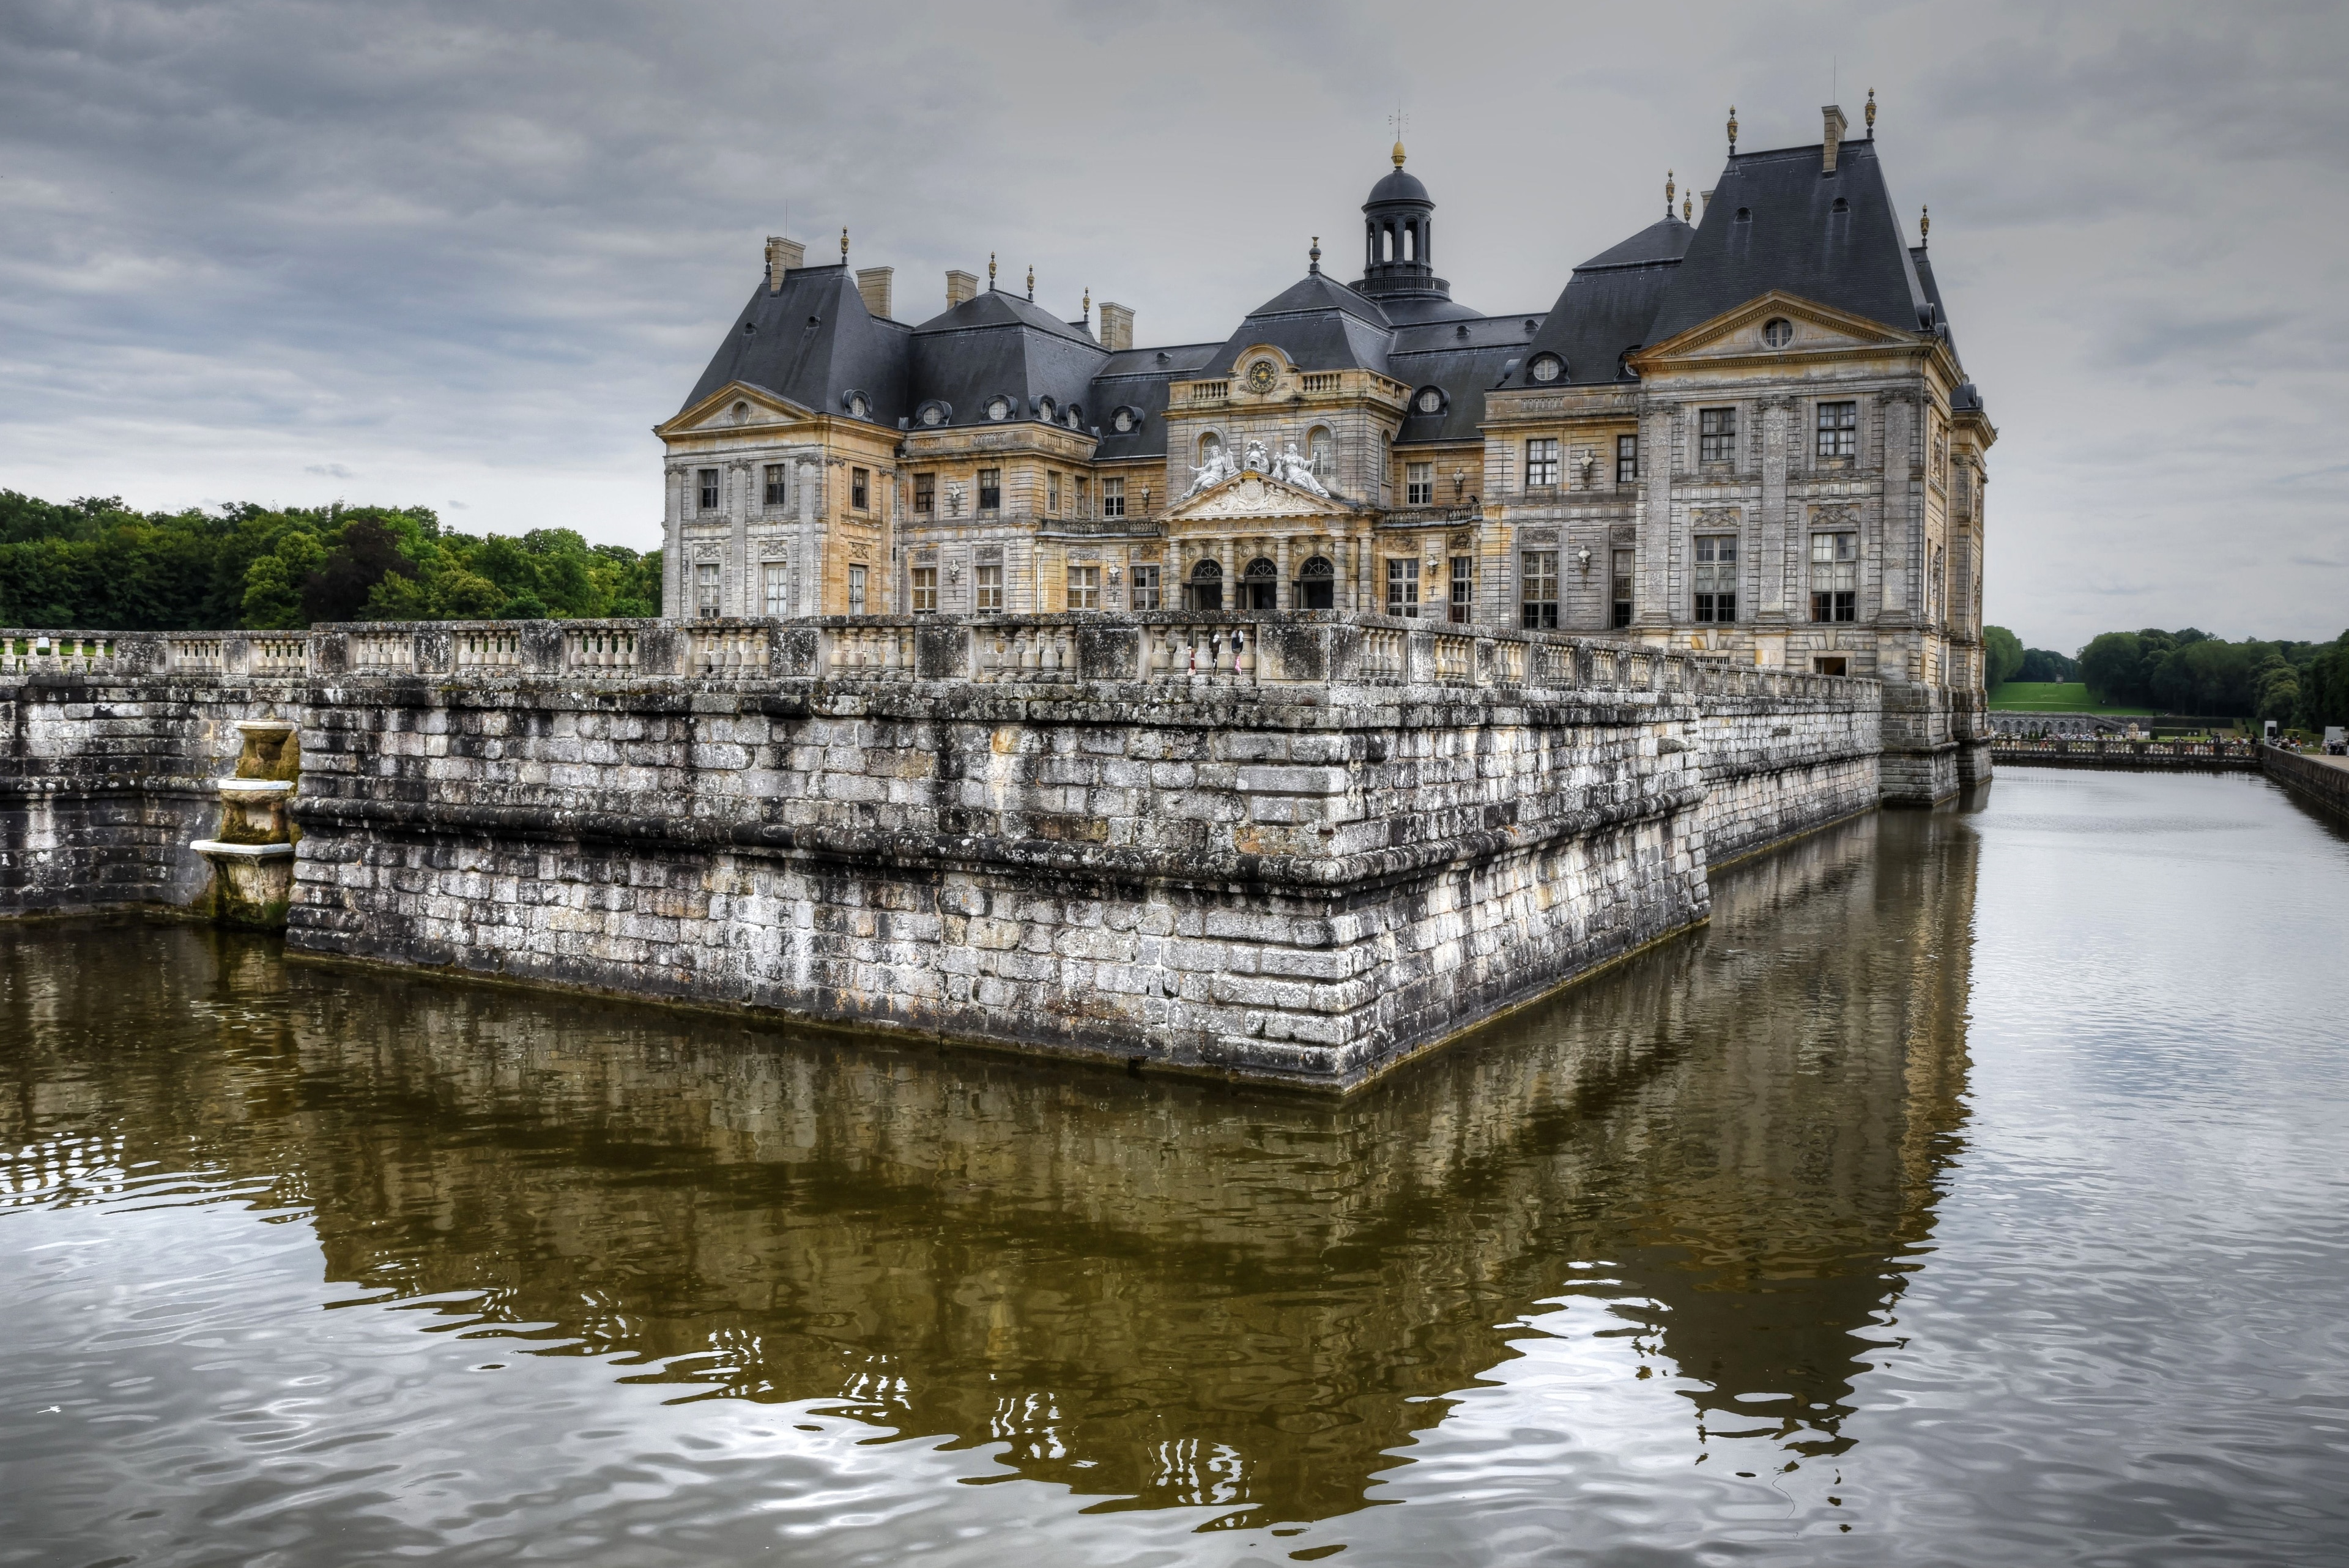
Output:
x=2113 y=667
x=2002 y=656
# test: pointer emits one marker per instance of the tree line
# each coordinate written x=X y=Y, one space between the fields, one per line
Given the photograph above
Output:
x=93 y=564
x=2303 y=684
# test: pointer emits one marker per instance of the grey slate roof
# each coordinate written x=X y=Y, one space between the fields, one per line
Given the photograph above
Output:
x=1464 y=358
x=812 y=342
x=1138 y=378
x=996 y=342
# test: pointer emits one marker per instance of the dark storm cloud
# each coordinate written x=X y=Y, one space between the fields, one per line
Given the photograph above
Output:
x=465 y=255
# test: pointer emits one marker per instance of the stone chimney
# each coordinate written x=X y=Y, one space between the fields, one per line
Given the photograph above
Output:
x=1117 y=326
x=873 y=284
x=961 y=286
x=1833 y=139
x=782 y=254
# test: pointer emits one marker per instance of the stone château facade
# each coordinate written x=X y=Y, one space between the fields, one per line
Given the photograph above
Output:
x=1751 y=436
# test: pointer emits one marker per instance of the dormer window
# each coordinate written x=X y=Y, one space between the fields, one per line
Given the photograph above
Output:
x=858 y=405
x=1044 y=410
x=933 y=415
x=1124 y=421
x=1430 y=400
x=1547 y=367
x=998 y=407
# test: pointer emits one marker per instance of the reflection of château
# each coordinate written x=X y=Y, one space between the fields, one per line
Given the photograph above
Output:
x=1146 y=1287
x=1752 y=434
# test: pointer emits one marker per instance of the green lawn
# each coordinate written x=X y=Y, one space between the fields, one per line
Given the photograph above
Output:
x=2053 y=696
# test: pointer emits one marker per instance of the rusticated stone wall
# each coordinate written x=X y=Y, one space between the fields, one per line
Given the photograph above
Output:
x=1287 y=847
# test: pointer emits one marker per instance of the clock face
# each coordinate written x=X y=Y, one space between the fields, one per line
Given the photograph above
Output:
x=1260 y=376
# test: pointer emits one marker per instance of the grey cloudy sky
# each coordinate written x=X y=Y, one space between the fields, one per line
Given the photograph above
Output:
x=465 y=255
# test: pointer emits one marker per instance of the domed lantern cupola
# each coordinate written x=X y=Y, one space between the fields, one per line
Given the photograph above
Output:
x=1398 y=239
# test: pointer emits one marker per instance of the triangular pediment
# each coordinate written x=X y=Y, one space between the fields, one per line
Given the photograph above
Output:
x=719 y=411
x=1252 y=494
x=1817 y=329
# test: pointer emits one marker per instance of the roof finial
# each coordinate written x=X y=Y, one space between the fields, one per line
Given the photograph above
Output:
x=1733 y=131
x=1687 y=206
x=990 y=272
x=1924 y=226
x=1087 y=311
x=1396 y=119
x=1031 y=280
x=844 y=246
x=1871 y=114
x=1313 y=257
x=1668 y=192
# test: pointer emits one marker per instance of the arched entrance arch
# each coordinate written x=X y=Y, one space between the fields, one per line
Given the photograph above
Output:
x=1206 y=589
x=1259 y=586
x=1317 y=584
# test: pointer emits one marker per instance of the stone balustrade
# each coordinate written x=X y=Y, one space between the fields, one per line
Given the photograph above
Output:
x=1275 y=651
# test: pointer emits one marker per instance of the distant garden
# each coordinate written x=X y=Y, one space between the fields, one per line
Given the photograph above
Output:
x=2302 y=684
x=94 y=563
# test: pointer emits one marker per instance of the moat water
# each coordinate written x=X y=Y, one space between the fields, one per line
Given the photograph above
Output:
x=1971 y=1190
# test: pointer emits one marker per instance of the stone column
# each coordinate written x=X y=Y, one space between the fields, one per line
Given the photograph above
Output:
x=805 y=574
x=1773 y=563
x=737 y=543
x=674 y=587
x=1284 y=596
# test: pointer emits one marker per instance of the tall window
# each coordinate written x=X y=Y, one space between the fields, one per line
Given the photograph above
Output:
x=1419 y=484
x=1464 y=589
x=1081 y=499
x=706 y=579
x=1627 y=459
x=775 y=487
x=1838 y=430
x=860 y=489
x=708 y=490
x=988 y=588
x=1113 y=497
x=991 y=489
x=1145 y=596
x=1052 y=494
x=1402 y=586
x=857 y=590
x=923 y=587
x=1716 y=576
x=1085 y=587
x=1317 y=584
x=1259 y=586
x=1321 y=450
x=775 y=587
x=1716 y=437
x=1834 y=577
x=1541 y=461
x=926 y=493
x=1207 y=586
x=1538 y=579
x=1620 y=578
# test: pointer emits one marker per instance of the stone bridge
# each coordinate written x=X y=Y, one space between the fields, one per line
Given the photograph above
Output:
x=1292 y=847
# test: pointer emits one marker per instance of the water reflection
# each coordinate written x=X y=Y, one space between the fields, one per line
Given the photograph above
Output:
x=1155 y=1291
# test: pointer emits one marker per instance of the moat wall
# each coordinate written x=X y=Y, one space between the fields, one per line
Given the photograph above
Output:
x=1295 y=847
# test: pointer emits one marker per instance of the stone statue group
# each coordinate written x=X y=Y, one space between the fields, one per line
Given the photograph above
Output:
x=1290 y=467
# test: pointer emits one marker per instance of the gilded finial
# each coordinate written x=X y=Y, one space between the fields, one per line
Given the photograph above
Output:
x=1668 y=192
x=1398 y=155
x=1871 y=114
x=1924 y=225
x=1087 y=311
x=1313 y=257
x=1031 y=282
x=1687 y=206
x=843 y=245
x=990 y=272
x=1396 y=121
x=1733 y=131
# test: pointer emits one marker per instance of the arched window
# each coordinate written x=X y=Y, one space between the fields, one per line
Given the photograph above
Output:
x=1206 y=587
x=1317 y=584
x=1321 y=449
x=1259 y=586
x=1409 y=234
x=1386 y=242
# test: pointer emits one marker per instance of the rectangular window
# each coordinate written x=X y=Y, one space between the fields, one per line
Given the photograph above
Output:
x=1838 y=430
x=1627 y=459
x=1419 y=484
x=1085 y=587
x=1402 y=586
x=860 y=489
x=1716 y=576
x=1053 y=494
x=1145 y=587
x=1834 y=577
x=925 y=589
x=708 y=490
x=1541 y=461
x=857 y=590
x=775 y=487
x=1619 y=573
x=991 y=588
x=1716 y=435
x=706 y=578
x=1464 y=589
x=1113 y=497
x=1537 y=580
x=775 y=587
x=991 y=489
x=1081 y=499
x=926 y=493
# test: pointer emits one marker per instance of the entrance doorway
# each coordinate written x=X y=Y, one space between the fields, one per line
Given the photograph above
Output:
x=1317 y=584
x=1206 y=587
x=1259 y=586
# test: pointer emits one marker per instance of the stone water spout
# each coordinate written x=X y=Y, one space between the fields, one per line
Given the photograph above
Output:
x=251 y=855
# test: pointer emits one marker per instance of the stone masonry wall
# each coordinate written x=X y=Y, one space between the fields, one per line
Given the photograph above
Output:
x=1295 y=847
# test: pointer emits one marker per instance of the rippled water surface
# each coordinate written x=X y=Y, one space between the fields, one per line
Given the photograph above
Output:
x=1971 y=1191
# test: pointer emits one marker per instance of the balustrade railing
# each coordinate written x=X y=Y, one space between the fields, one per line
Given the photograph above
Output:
x=600 y=649
x=386 y=653
x=497 y=647
x=66 y=652
x=1200 y=652
x=281 y=655
x=870 y=650
x=1454 y=657
x=730 y=652
x=197 y=655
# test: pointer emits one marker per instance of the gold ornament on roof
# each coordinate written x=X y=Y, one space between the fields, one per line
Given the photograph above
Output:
x=1398 y=155
x=1871 y=114
x=1031 y=283
x=843 y=245
x=1733 y=131
x=990 y=272
x=1668 y=192
x=1687 y=207
x=1924 y=225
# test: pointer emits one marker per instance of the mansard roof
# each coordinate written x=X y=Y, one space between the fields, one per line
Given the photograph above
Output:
x=995 y=343
x=1462 y=359
x=813 y=342
x=1137 y=379
x=1664 y=241
x=1320 y=325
